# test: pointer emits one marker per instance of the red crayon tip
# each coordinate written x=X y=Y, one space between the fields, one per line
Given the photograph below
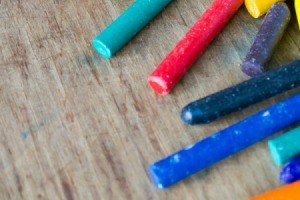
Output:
x=158 y=84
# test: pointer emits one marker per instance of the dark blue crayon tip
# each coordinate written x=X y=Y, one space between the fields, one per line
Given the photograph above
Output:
x=291 y=171
x=192 y=114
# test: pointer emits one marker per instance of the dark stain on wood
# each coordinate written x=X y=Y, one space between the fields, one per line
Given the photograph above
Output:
x=70 y=117
x=67 y=190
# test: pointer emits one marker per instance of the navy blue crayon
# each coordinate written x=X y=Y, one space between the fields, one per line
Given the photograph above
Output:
x=291 y=171
x=242 y=95
x=225 y=143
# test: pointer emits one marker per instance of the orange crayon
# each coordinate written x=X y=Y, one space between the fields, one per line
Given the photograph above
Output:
x=288 y=192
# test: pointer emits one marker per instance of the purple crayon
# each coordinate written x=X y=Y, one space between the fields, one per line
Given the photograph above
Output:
x=267 y=38
x=291 y=171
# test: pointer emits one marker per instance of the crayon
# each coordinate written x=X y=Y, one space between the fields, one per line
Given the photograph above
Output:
x=127 y=25
x=266 y=40
x=286 y=146
x=243 y=94
x=287 y=192
x=257 y=8
x=291 y=171
x=181 y=58
x=225 y=143
x=297 y=6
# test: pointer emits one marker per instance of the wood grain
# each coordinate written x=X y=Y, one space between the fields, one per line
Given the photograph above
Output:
x=76 y=126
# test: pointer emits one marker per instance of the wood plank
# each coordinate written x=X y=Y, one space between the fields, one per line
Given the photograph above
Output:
x=76 y=126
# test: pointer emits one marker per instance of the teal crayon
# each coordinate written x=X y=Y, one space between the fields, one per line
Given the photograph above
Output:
x=285 y=147
x=127 y=25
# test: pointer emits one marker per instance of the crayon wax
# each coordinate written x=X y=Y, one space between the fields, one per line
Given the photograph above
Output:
x=287 y=192
x=257 y=8
x=127 y=25
x=181 y=58
x=291 y=171
x=297 y=6
x=266 y=40
x=225 y=143
x=286 y=146
x=243 y=94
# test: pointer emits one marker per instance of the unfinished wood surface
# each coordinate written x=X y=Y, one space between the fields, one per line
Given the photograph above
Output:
x=76 y=126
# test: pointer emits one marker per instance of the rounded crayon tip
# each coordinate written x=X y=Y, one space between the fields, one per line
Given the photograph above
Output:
x=187 y=116
x=101 y=48
x=252 y=69
x=291 y=171
x=285 y=177
x=193 y=115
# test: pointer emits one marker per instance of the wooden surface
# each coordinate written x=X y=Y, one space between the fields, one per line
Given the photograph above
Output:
x=76 y=126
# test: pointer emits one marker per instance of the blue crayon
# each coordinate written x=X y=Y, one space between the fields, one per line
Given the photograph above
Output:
x=291 y=171
x=225 y=143
x=127 y=25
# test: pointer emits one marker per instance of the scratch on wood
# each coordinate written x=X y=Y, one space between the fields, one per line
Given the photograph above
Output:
x=20 y=188
x=96 y=75
x=117 y=105
x=117 y=170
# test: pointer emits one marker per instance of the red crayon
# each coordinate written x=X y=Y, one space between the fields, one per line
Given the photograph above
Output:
x=181 y=58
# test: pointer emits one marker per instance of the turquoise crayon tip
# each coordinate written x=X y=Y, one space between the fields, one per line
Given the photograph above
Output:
x=285 y=147
x=102 y=48
x=127 y=25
